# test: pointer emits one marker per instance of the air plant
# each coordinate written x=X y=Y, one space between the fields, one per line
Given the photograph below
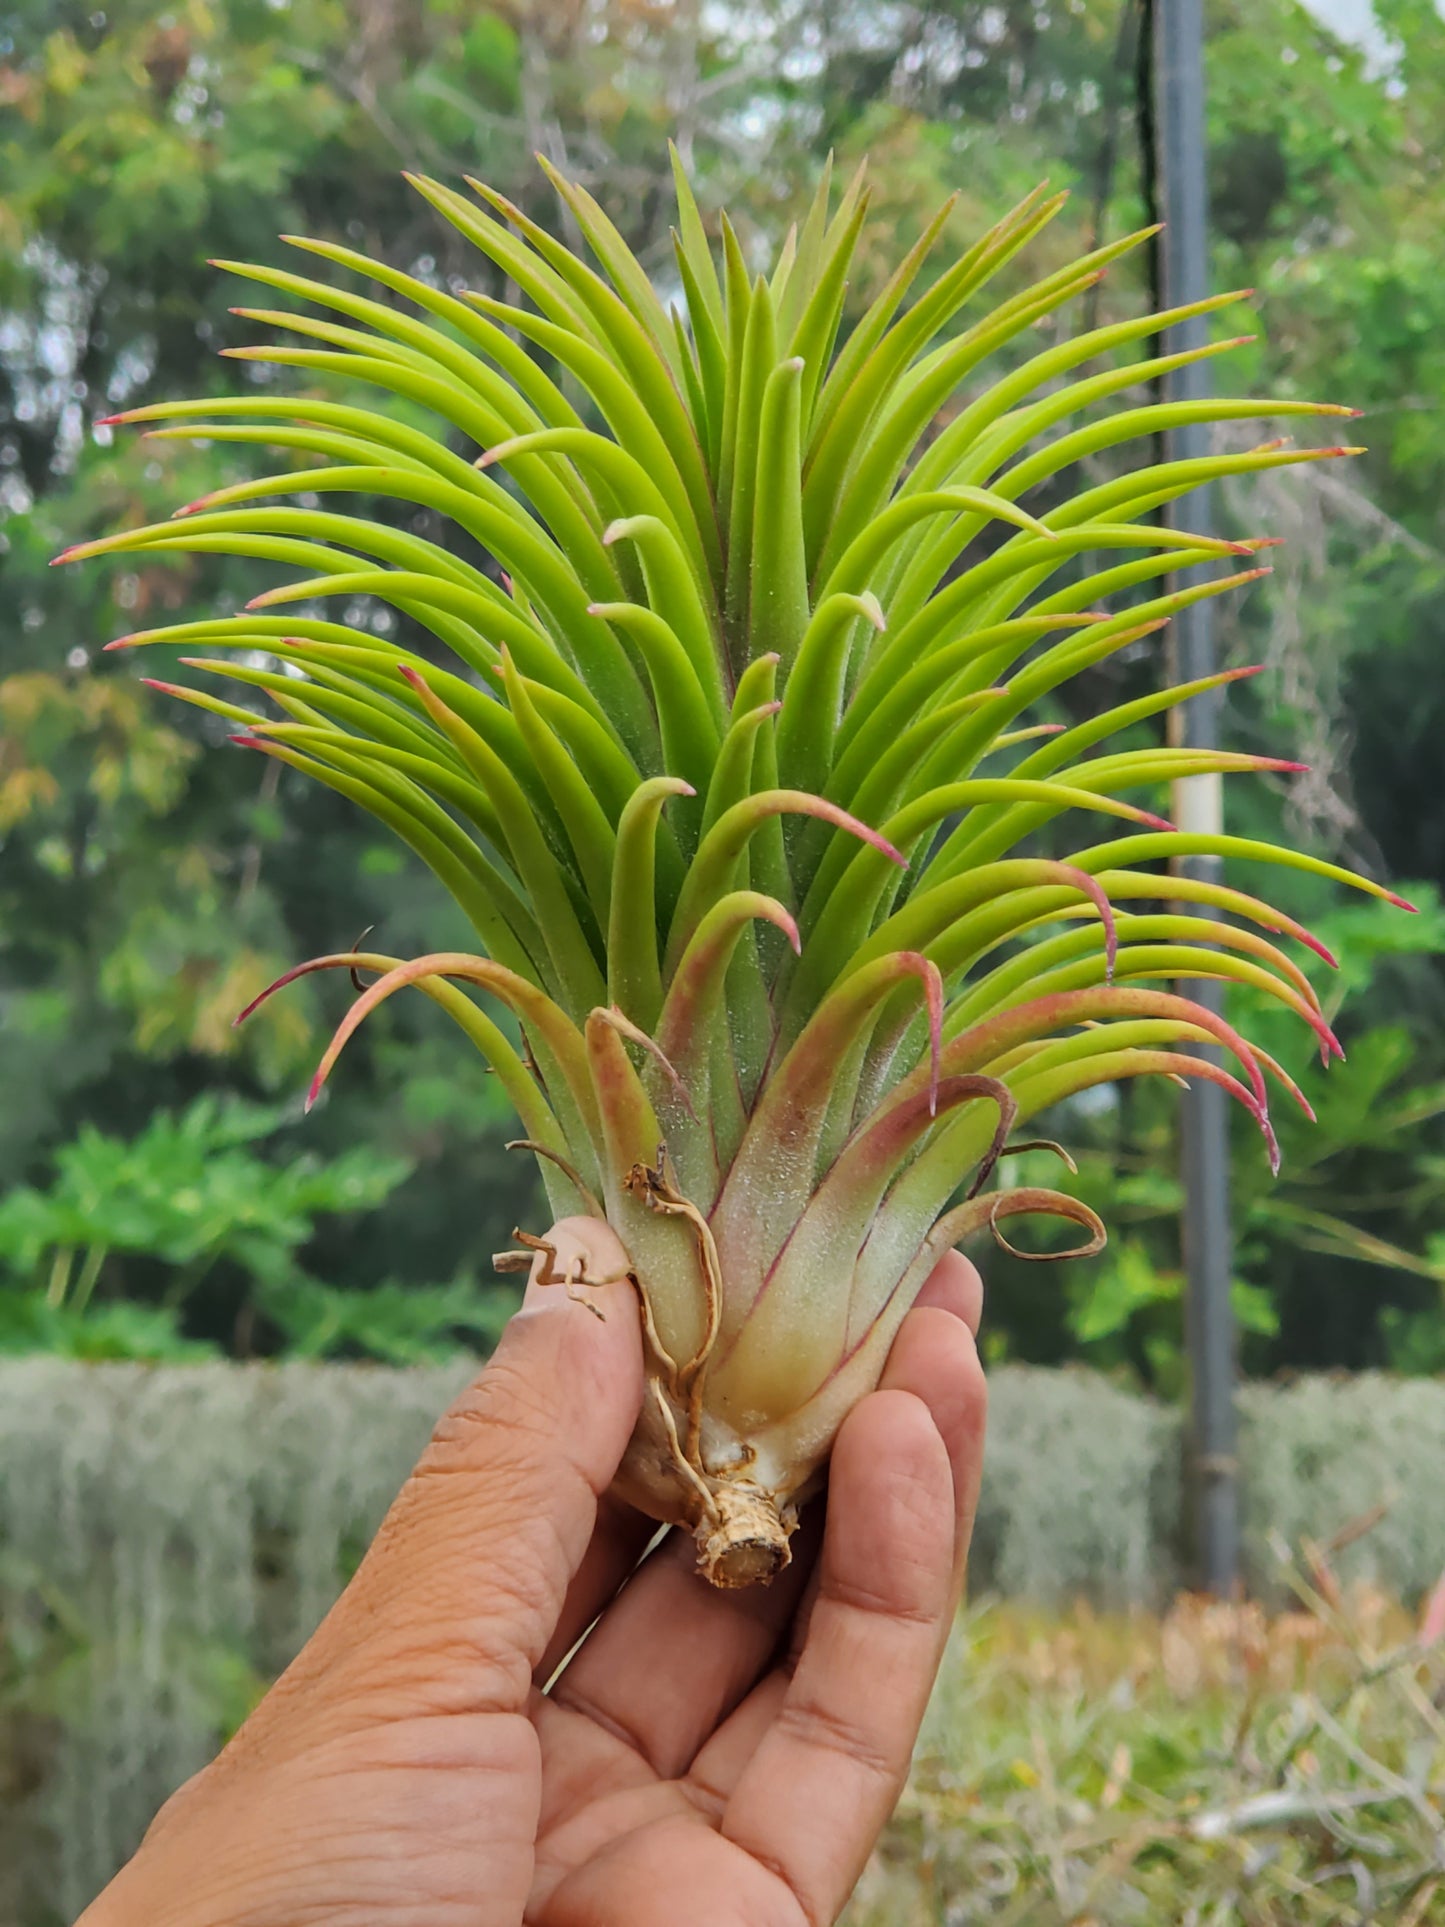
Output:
x=718 y=745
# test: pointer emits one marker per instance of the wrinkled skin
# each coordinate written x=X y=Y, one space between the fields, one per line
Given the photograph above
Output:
x=722 y=1758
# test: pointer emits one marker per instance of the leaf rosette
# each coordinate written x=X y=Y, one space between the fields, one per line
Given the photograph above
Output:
x=724 y=751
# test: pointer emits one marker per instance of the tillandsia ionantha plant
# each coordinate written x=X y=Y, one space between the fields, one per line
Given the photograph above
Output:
x=718 y=745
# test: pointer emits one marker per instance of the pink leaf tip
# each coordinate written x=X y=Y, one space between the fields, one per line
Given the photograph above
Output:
x=1321 y=950
x=1402 y=903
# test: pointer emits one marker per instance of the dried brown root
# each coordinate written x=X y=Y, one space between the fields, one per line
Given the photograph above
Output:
x=574 y=1280
x=589 y=1198
x=655 y=1189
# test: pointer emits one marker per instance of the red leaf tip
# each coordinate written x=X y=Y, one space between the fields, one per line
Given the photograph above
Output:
x=1402 y=903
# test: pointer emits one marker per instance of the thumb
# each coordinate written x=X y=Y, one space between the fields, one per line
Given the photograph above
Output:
x=462 y=1586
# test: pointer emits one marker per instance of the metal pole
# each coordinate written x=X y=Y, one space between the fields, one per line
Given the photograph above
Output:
x=1177 y=32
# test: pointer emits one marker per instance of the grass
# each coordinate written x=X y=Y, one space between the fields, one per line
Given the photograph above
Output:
x=1221 y=1765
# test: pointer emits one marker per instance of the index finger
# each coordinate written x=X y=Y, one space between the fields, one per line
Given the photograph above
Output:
x=480 y=1548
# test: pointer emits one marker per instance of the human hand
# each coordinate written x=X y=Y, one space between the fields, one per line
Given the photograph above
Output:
x=721 y=1758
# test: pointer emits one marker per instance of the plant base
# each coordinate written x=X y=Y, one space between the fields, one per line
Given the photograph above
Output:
x=745 y=1541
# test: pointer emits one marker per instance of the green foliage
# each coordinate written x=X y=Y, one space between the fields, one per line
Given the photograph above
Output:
x=400 y=1324
x=31 y=1322
x=190 y=1191
x=1126 y=1306
x=104 y=1260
